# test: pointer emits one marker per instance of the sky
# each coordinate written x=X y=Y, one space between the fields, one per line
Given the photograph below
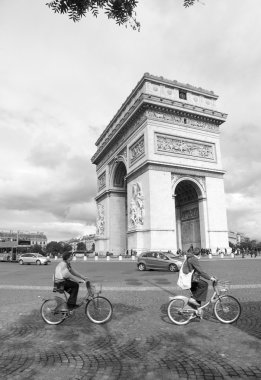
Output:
x=62 y=82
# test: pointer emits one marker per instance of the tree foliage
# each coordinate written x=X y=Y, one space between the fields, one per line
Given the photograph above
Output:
x=121 y=11
x=81 y=246
x=53 y=248
x=36 y=248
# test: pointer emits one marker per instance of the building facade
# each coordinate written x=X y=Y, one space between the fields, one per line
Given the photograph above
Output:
x=159 y=171
x=15 y=241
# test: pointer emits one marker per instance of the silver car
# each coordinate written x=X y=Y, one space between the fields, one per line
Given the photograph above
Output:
x=33 y=258
x=158 y=260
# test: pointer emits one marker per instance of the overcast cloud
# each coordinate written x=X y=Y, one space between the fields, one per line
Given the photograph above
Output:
x=61 y=83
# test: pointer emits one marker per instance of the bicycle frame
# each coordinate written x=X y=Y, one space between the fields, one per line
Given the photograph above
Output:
x=88 y=296
x=196 y=312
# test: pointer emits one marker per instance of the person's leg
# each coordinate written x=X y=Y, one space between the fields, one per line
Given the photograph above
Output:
x=72 y=288
x=199 y=290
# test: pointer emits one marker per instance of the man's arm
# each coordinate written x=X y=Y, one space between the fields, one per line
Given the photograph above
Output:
x=79 y=275
x=66 y=274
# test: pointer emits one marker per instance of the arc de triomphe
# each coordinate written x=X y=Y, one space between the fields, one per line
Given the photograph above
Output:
x=159 y=171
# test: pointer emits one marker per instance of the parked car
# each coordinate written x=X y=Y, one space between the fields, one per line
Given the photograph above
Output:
x=33 y=258
x=158 y=260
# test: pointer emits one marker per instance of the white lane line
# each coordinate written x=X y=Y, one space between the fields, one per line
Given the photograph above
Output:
x=121 y=288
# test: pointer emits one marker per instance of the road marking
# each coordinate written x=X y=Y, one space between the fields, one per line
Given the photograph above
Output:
x=137 y=288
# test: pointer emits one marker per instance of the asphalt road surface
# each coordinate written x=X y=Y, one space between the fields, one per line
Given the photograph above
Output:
x=139 y=342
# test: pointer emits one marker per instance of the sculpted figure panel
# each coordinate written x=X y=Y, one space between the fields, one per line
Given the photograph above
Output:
x=137 y=211
x=186 y=147
x=137 y=150
x=190 y=214
x=102 y=181
x=100 y=224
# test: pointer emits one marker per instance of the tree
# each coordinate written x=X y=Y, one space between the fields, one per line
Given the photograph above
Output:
x=54 y=249
x=121 y=11
x=36 y=249
x=67 y=247
x=81 y=246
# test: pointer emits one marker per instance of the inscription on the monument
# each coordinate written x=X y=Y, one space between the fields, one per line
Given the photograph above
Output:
x=137 y=211
x=185 y=147
x=137 y=150
x=100 y=224
x=102 y=181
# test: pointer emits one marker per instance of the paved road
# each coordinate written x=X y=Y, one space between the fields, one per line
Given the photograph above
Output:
x=139 y=342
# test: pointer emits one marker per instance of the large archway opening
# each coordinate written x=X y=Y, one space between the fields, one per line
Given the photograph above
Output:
x=187 y=215
x=118 y=215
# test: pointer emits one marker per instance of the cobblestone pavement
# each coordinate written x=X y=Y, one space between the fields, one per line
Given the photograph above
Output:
x=138 y=343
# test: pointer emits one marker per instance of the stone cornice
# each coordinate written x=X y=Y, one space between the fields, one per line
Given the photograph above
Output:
x=183 y=86
x=141 y=95
x=177 y=169
x=109 y=193
x=146 y=101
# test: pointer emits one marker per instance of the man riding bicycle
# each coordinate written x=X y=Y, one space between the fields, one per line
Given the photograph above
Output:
x=199 y=287
x=68 y=278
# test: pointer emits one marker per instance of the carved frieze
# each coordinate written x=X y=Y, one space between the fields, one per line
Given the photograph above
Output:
x=190 y=214
x=101 y=181
x=188 y=122
x=137 y=211
x=100 y=223
x=185 y=147
x=137 y=150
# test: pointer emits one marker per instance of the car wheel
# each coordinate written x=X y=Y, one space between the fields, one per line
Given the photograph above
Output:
x=141 y=267
x=38 y=262
x=173 y=268
x=21 y=262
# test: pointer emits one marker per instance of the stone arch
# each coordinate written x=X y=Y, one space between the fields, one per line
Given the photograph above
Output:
x=190 y=217
x=118 y=205
x=118 y=173
x=198 y=182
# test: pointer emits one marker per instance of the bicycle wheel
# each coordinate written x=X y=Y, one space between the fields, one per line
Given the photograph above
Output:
x=179 y=312
x=227 y=309
x=53 y=311
x=98 y=310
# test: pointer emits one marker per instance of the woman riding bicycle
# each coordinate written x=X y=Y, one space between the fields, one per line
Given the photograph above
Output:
x=69 y=279
x=199 y=287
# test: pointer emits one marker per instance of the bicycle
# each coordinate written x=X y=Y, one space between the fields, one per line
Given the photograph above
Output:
x=227 y=308
x=98 y=309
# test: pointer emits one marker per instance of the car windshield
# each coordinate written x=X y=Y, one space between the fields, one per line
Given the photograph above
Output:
x=172 y=256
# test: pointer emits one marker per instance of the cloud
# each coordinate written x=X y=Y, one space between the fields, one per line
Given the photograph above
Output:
x=60 y=87
x=48 y=156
